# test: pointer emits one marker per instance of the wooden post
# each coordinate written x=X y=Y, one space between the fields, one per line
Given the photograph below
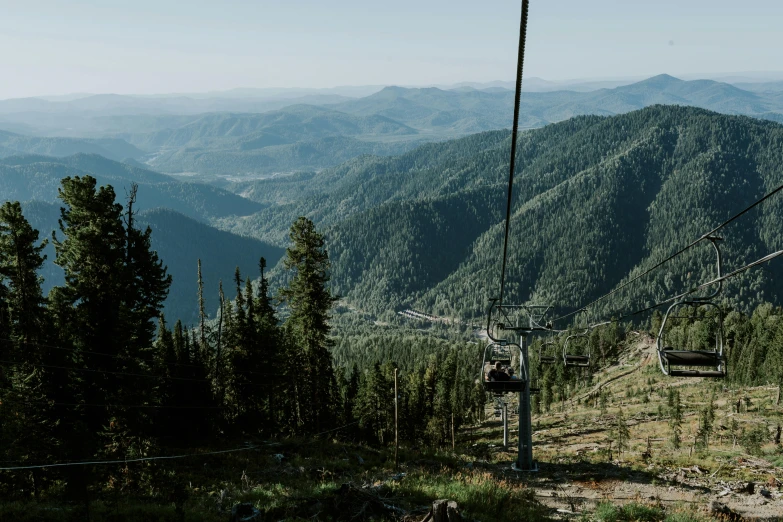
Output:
x=218 y=356
x=453 y=440
x=396 y=429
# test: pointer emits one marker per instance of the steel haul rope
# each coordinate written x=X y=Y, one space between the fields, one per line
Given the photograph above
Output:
x=677 y=253
x=514 y=130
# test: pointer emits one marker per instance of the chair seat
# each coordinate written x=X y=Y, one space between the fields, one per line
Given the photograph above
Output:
x=690 y=357
x=577 y=360
x=546 y=359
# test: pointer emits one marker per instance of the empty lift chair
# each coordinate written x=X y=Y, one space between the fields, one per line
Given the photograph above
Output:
x=681 y=361
x=571 y=352
x=546 y=352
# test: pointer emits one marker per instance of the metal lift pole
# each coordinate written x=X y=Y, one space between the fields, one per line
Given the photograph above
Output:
x=505 y=424
x=525 y=460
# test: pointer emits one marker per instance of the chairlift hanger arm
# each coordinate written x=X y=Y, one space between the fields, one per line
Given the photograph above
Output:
x=508 y=321
x=718 y=281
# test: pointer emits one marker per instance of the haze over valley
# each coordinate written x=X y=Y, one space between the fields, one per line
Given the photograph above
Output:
x=258 y=134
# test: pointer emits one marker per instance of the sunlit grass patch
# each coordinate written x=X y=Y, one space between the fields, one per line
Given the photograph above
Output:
x=607 y=512
x=635 y=512
x=479 y=494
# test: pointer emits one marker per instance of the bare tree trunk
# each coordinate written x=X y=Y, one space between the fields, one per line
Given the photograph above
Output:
x=396 y=432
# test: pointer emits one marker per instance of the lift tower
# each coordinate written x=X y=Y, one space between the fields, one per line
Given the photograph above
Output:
x=523 y=320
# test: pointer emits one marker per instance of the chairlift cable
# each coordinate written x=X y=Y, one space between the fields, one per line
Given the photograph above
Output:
x=169 y=457
x=717 y=280
x=123 y=357
x=677 y=253
x=112 y=372
x=514 y=130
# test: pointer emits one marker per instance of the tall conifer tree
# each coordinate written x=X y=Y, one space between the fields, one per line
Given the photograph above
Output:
x=114 y=288
x=27 y=425
x=309 y=300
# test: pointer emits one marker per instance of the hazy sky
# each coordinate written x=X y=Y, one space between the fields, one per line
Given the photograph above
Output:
x=146 y=46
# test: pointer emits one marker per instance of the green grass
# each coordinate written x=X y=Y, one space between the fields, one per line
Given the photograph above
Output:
x=606 y=512
x=634 y=512
x=478 y=494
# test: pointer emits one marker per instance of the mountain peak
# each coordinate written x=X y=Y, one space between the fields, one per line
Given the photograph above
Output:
x=662 y=80
x=391 y=91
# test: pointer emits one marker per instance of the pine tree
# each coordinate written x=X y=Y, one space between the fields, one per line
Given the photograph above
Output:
x=268 y=358
x=706 y=420
x=675 y=418
x=114 y=288
x=20 y=260
x=166 y=367
x=202 y=317
x=309 y=301
x=28 y=421
x=621 y=432
x=374 y=407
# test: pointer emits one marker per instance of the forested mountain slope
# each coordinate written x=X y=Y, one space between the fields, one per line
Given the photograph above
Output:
x=595 y=199
x=180 y=243
x=268 y=154
x=12 y=143
x=26 y=178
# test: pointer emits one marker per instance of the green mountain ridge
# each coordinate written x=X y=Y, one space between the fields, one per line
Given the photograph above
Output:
x=113 y=148
x=26 y=178
x=596 y=199
x=291 y=124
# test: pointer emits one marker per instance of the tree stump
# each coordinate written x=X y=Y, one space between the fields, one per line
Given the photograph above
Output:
x=444 y=510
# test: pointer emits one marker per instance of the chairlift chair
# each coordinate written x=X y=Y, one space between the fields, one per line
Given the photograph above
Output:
x=501 y=352
x=545 y=348
x=679 y=362
x=669 y=356
x=570 y=357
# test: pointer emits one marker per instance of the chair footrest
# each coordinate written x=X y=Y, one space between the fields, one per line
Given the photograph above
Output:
x=697 y=373
x=514 y=385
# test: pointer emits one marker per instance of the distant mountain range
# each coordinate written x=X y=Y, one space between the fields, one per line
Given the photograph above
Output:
x=261 y=133
x=411 y=116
